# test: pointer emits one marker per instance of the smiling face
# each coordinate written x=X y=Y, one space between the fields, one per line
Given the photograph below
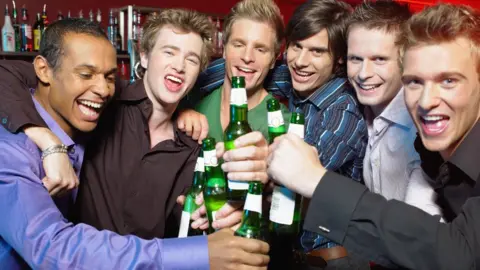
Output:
x=172 y=66
x=443 y=96
x=82 y=84
x=310 y=63
x=249 y=52
x=372 y=66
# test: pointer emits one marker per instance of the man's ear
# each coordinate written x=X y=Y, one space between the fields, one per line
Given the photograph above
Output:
x=144 y=60
x=43 y=70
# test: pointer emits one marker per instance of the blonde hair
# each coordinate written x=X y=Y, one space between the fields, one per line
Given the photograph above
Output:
x=265 y=11
x=443 y=23
x=181 y=19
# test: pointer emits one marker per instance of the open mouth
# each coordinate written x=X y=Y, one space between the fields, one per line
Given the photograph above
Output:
x=434 y=124
x=173 y=83
x=245 y=71
x=89 y=108
x=301 y=76
x=368 y=87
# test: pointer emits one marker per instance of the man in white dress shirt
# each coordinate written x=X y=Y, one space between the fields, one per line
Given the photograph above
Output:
x=391 y=164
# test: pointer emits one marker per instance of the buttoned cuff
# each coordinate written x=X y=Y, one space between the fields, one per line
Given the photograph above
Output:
x=332 y=205
x=185 y=253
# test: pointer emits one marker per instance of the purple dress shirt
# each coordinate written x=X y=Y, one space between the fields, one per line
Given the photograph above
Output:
x=34 y=232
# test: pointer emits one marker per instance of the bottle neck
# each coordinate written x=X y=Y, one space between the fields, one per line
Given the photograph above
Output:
x=238 y=113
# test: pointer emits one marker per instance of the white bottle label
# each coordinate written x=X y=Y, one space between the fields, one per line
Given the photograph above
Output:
x=238 y=96
x=210 y=158
x=253 y=203
x=28 y=31
x=237 y=185
x=8 y=39
x=275 y=119
x=283 y=206
x=184 y=222
x=200 y=165
x=297 y=129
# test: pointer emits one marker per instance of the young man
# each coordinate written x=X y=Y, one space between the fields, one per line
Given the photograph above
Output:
x=391 y=164
x=77 y=56
x=254 y=32
x=443 y=100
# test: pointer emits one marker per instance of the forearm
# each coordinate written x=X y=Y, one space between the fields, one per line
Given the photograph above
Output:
x=42 y=137
x=390 y=231
x=52 y=243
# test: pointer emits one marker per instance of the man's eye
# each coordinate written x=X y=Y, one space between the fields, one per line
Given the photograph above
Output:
x=86 y=75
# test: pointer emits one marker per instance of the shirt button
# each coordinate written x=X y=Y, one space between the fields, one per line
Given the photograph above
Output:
x=72 y=150
x=4 y=120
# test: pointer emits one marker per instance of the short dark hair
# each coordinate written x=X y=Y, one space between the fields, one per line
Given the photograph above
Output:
x=51 y=44
x=390 y=16
x=315 y=15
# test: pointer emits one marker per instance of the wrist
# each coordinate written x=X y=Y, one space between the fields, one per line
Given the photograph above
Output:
x=312 y=179
x=42 y=137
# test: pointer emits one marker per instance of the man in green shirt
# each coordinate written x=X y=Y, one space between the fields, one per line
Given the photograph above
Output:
x=253 y=34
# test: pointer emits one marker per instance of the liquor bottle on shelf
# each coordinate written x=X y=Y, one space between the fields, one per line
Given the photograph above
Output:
x=60 y=16
x=69 y=14
x=134 y=26
x=38 y=28
x=99 y=16
x=8 y=33
x=190 y=205
x=16 y=28
x=238 y=126
x=90 y=15
x=26 y=29
x=45 y=17
x=139 y=25
x=111 y=28
x=80 y=14
x=118 y=37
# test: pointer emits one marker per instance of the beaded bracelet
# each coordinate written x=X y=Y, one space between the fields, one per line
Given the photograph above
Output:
x=59 y=148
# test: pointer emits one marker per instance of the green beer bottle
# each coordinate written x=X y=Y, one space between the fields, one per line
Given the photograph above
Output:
x=251 y=226
x=190 y=206
x=238 y=126
x=276 y=125
x=215 y=190
x=285 y=214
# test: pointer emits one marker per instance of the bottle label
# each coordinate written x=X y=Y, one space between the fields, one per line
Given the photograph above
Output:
x=253 y=203
x=36 y=39
x=275 y=119
x=237 y=185
x=238 y=96
x=28 y=31
x=283 y=206
x=297 y=129
x=210 y=158
x=184 y=224
x=200 y=165
x=8 y=41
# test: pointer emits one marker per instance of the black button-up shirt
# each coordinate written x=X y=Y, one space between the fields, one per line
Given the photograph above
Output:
x=394 y=233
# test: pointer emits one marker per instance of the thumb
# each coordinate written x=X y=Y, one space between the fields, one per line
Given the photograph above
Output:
x=47 y=183
x=181 y=199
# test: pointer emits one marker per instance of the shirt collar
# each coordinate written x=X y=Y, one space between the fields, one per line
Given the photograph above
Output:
x=134 y=92
x=464 y=155
x=324 y=92
x=396 y=111
x=53 y=125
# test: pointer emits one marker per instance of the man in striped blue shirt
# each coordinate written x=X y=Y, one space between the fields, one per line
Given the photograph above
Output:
x=313 y=81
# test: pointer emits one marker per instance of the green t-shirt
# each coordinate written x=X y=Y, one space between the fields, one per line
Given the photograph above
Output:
x=257 y=117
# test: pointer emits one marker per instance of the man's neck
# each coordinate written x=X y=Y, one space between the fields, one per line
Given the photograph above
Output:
x=160 y=123
x=41 y=96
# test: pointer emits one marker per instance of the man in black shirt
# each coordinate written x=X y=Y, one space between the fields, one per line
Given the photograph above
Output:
x=441 y=67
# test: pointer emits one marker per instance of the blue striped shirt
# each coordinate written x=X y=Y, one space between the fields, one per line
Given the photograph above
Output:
x=334 y=123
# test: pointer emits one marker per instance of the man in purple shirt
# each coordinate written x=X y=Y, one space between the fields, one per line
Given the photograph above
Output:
x=76 y=72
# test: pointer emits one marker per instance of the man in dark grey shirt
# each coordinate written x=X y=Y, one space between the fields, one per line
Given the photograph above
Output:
x=441 y=76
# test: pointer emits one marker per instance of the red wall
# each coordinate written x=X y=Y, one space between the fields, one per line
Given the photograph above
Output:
x=220 y=7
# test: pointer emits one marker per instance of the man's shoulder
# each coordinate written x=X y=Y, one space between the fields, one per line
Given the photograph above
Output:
x=17 y=147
